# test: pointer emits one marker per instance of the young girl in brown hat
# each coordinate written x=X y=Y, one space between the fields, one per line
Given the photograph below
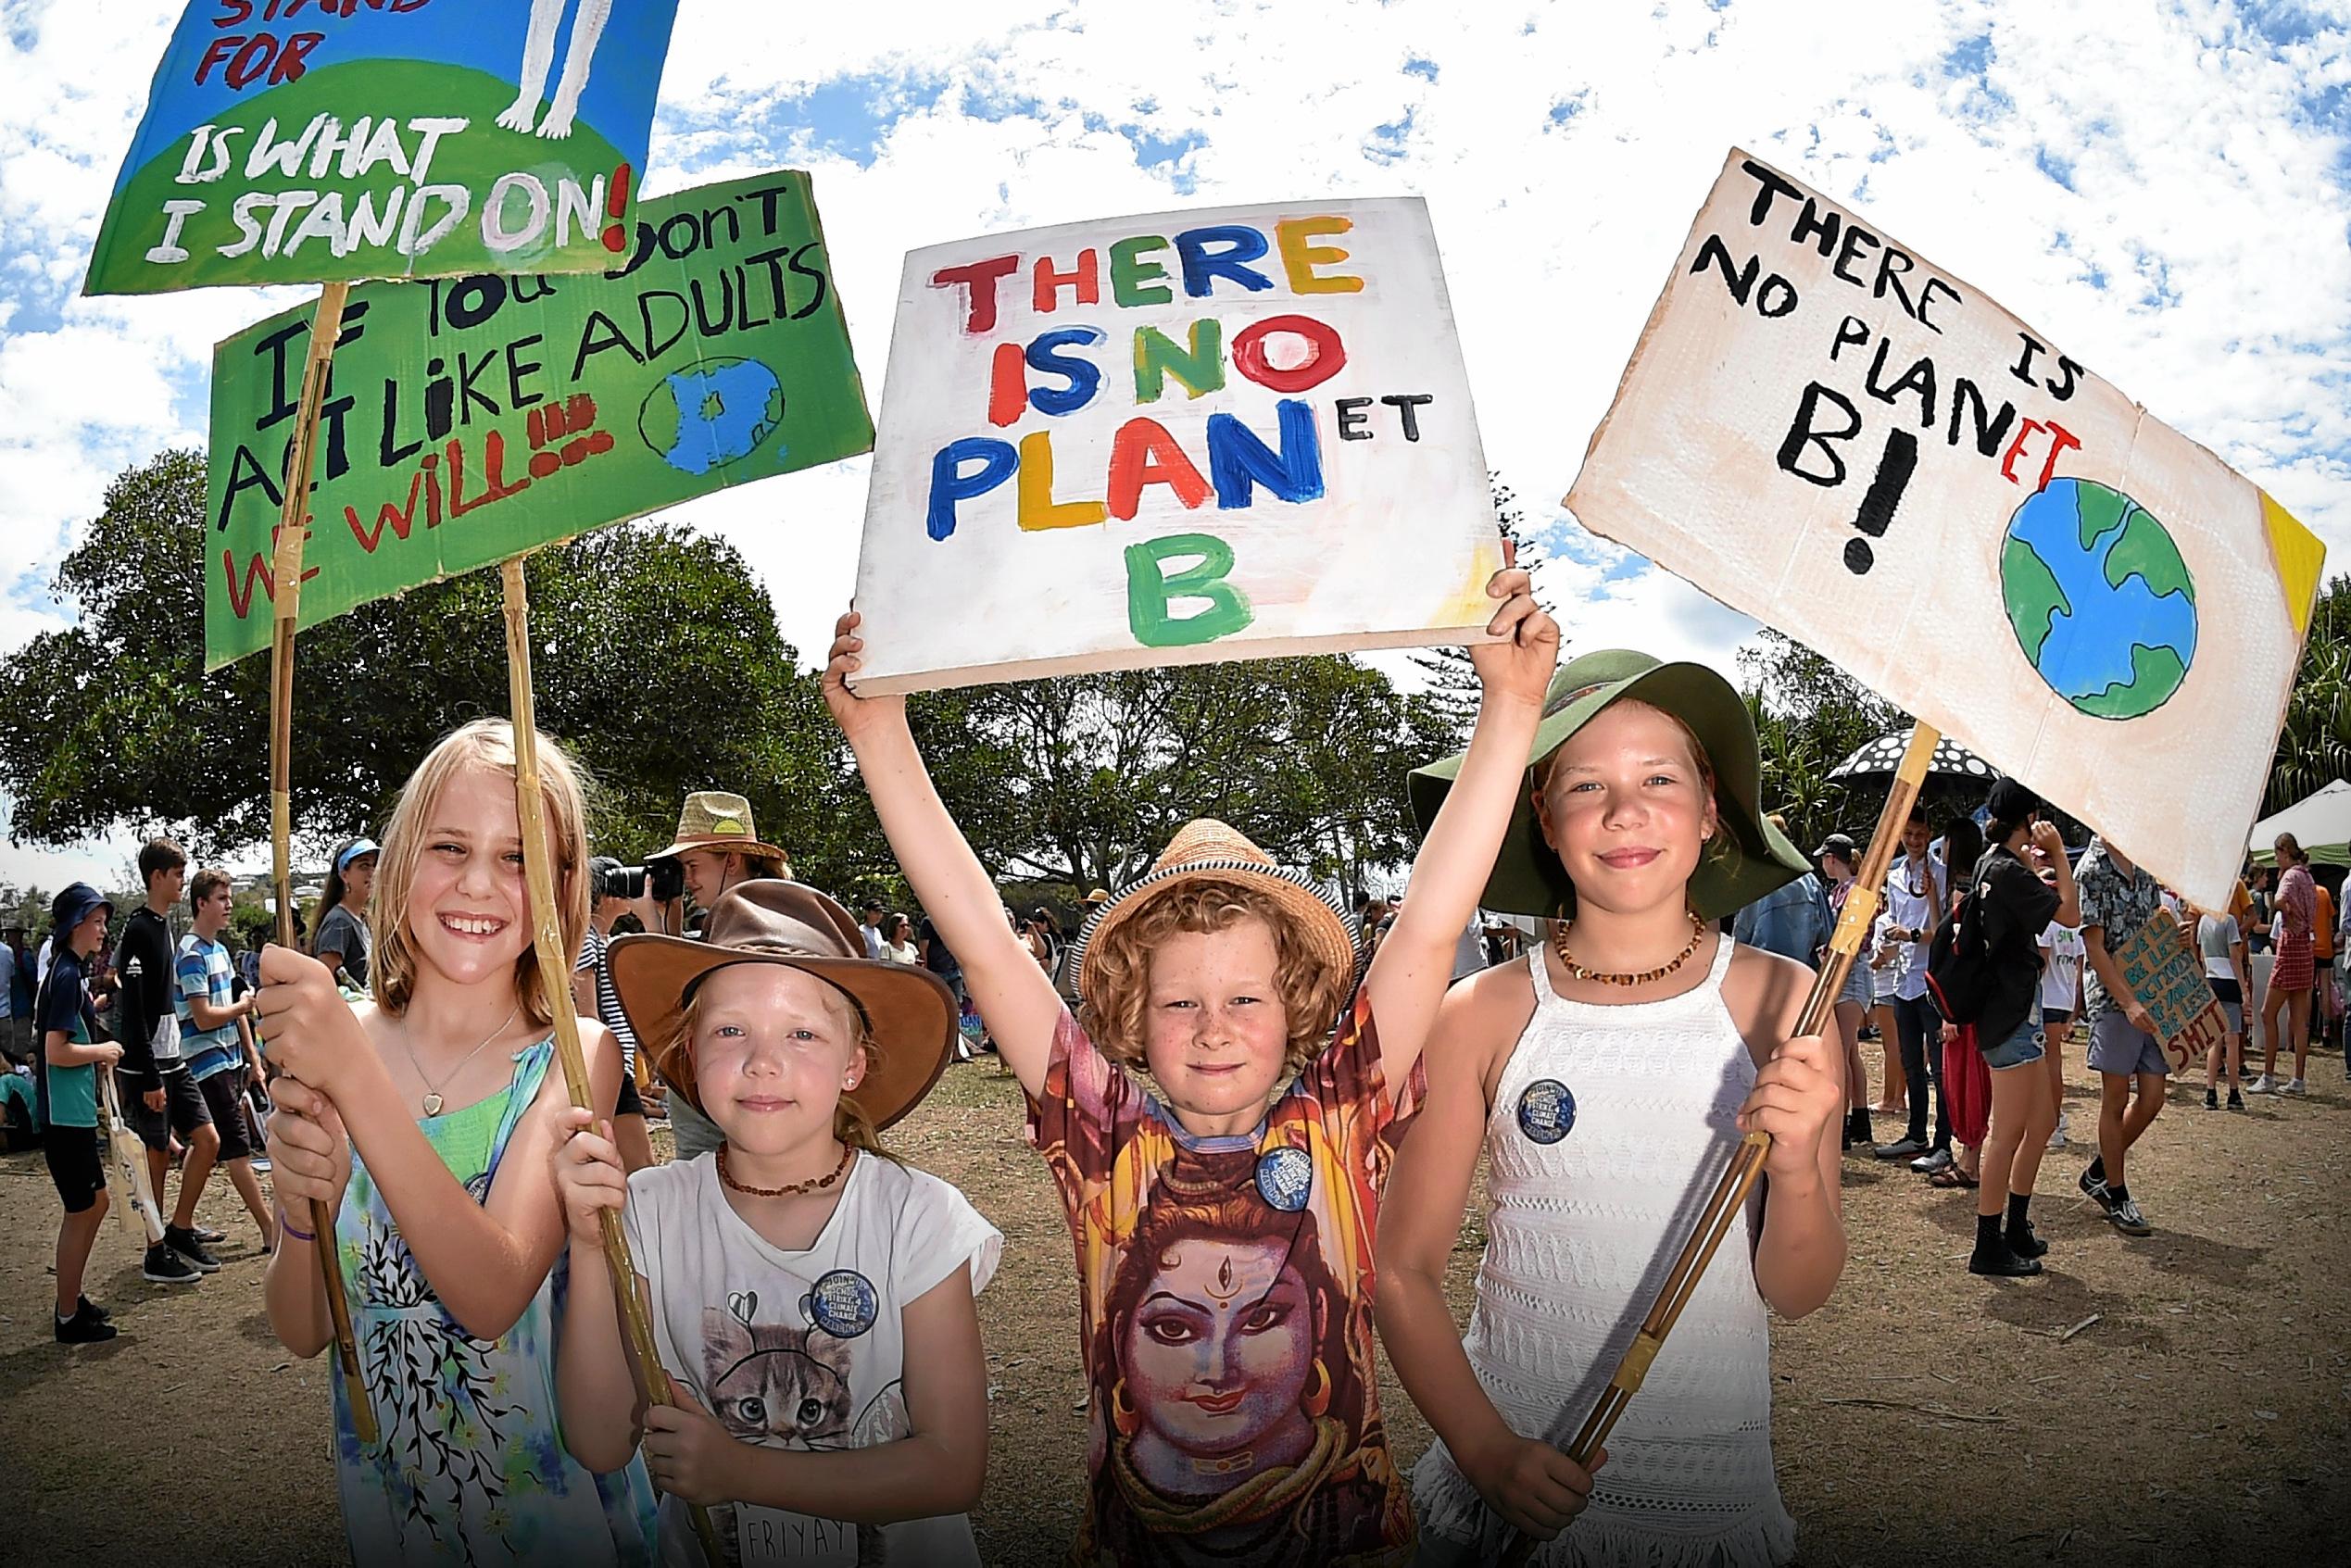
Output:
x=812 y=1296
x=1607 y=1081
x=1224 y=1244
x=423 y=1120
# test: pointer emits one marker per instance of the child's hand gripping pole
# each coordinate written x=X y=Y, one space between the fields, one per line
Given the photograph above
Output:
x=553 y=966
x=1722 y=1209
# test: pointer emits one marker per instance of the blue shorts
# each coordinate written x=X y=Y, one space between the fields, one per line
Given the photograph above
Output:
x=2117 y=1046
x=2023 y=1047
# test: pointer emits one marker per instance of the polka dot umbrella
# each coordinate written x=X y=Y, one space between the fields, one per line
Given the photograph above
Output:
x=1882 y=756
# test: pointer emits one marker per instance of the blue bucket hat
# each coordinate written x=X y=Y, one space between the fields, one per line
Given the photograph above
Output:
x=73 y=904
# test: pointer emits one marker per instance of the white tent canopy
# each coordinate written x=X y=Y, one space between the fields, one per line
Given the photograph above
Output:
x=2321 y=824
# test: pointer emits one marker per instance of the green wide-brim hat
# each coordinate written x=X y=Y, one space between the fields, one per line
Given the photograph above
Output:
x=1528 y=879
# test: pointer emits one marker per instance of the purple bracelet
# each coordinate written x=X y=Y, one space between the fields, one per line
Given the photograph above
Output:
x=286 y=1228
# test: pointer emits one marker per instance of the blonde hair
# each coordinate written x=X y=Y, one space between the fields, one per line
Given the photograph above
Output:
x=1115 y=987
x=852 y=1125
x=484 y=743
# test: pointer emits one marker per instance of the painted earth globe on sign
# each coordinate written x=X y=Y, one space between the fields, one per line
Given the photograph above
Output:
x=717 y=411
x=2102 y=604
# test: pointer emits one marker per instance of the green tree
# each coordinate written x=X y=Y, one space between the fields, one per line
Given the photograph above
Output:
x=1810 y=716
x=656 y=656
x=2314 y=746
x=1081 y=780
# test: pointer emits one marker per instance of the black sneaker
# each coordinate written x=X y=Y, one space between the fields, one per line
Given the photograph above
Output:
x=2025 y=1242
x=1903 y=1149
x=186 y=1245
x=82 y=1328
x=2236 y=1101
x=2125 y=1217
x=87 y=1307
x=2095 y=1187
x=2211 y=1100
x=165 y=1266
x=2000 y=1262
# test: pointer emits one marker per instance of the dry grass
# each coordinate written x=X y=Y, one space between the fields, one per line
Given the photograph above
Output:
x=1924 y=1416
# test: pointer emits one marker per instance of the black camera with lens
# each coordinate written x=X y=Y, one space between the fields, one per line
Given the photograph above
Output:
x=613 y=880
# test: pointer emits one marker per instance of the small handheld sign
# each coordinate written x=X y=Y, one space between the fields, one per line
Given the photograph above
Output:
x=2164 y=971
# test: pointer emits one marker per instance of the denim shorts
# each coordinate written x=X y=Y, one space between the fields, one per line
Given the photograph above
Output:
x=2023 y=1047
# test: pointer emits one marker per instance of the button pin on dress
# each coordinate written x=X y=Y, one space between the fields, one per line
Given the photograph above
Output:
x=1286 y=1177
x=1547 y=1110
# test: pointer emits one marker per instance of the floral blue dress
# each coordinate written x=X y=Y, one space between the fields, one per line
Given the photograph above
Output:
x=471 y=1468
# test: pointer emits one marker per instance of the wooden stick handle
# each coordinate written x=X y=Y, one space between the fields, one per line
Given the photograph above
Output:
x=285 y=598
x=1738 y=1179
x=555 y=994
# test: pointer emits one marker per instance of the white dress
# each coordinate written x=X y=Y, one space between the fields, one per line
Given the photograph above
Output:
x=1611 y=1129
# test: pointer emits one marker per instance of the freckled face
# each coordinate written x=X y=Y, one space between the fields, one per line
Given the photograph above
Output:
x=775 y=1049
x=1625 y=808
x=1215 y=1031
x=468 y=909
x=1219 y=1350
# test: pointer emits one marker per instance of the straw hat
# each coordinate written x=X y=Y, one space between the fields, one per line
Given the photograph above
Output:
x=1207 y=850
x=1528 y=878
x=715 y=820
x=909 y=1010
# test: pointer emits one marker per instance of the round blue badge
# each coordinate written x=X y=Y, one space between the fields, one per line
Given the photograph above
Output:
x=844 y=1304
x=1286 y=1177
x=1547 y=1110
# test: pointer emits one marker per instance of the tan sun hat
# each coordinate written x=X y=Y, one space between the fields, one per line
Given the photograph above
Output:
x=909 y=1010
x=1207 y=850
x=714 y=820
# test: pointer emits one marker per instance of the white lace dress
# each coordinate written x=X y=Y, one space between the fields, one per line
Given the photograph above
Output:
x=1610 y=1131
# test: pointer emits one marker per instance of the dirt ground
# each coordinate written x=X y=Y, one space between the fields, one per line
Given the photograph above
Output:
x=2184 y=1399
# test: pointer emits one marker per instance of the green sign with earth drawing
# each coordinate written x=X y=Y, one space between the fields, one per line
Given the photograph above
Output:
x=468 y=420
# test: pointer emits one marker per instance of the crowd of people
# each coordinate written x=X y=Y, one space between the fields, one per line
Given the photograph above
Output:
x=1219 y=1064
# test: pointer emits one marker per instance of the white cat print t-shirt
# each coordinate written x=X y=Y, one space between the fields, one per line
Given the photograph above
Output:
x=801 y=1350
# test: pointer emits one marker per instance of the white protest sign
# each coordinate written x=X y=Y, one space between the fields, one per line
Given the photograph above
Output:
x=1236 y=433
x=1824 y=430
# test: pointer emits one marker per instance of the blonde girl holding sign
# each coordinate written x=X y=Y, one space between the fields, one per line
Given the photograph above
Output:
x=424 y=1121
x=1607 y=1079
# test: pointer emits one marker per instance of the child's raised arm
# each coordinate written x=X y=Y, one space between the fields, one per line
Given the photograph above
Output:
x=1415 y=964
x=1013 y=993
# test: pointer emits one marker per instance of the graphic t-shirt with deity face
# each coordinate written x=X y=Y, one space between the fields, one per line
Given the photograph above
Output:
x=1225 y=1293
x=802 y=1350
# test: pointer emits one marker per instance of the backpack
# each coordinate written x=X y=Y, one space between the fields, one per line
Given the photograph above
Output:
x=1959 y=961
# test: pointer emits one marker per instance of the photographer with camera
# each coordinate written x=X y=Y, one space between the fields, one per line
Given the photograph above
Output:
x=716 y=846
x=609 y=885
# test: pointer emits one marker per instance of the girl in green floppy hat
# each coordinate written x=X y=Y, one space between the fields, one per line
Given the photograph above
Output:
x=1607 y=1079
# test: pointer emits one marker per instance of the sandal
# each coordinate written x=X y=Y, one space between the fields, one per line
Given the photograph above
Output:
x=1952 y=1176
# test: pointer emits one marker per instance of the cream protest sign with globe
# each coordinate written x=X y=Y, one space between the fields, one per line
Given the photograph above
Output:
x=1824 y=430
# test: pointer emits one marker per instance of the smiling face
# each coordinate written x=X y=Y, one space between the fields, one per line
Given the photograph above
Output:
x=709 y=873
x=1218 y=1351
x=775 y=1049
x=1627 y=809
x=1914 y=839
x=1216 y=1033
x=468 y=909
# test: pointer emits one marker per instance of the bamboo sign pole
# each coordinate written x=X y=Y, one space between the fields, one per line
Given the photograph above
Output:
x=555 y=968
x=1722 y=1209
x=326 y=324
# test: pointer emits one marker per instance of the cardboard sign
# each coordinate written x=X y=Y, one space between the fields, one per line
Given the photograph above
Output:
x=467 y=420
x=314 y=141
x=1169 y=439
x=2164 y=970
x=1829 y=432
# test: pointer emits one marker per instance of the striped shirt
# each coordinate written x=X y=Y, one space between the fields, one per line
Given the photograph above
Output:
x=205 y=974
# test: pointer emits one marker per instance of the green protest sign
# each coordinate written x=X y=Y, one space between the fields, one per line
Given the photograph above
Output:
x=468 y=420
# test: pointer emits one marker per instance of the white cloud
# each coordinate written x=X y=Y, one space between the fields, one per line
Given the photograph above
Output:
x=2197 y=260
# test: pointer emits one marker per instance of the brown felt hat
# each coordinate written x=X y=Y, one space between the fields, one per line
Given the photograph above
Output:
x=908 y=1012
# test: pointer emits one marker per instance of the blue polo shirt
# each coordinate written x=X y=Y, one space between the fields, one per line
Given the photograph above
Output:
x=69 y=1096
x=204 y=970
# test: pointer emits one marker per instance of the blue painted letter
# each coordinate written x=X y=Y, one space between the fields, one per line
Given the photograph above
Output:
x=1236 y=458
x=1202 y=266
x=950 y=484
x=1085 y=376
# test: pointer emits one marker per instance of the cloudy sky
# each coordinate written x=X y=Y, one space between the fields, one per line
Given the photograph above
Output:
x=2164 y=188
